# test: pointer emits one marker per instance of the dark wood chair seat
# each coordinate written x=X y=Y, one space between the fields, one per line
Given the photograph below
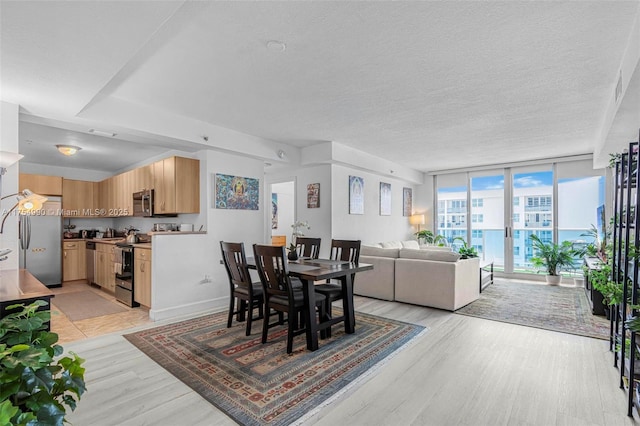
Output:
x=279 y=293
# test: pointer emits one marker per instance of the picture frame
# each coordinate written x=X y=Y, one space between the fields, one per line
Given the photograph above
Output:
x=385 y=199
x=407 y=201
x=236 y=192
x=274 y=210
x=356 y=195
x=313 y=196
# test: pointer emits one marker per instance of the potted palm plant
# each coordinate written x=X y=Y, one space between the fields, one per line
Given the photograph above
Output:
x=552 y=257
x=429 y=238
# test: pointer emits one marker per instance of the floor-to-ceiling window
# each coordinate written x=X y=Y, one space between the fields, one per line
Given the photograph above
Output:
x=497 y=211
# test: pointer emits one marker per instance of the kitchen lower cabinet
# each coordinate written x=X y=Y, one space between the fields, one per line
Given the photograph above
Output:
x=105 y=275
x=74 y=261
x=142 y=276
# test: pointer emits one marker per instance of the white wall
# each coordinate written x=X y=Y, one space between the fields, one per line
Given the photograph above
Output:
x=369 y=227
x=9 y=143
x=180 y=287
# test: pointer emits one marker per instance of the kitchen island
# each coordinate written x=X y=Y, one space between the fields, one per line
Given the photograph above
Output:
x=19 y=286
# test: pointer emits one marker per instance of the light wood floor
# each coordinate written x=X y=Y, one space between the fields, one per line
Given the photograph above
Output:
x=463 y=371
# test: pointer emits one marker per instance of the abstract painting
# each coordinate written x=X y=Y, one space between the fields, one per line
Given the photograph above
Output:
x=406 y=202
x=274 y=211
x=356 y=195
x=385 y=199
x=236 y=192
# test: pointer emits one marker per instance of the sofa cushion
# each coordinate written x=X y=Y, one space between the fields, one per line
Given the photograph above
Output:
x=410 y=244
x=379 y=252
x=437 y=255
x=379 y=245
x=430 y=247
x=392 y=244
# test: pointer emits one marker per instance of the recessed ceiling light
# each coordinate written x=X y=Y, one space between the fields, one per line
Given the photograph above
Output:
x=68 y=149
x=276 y=46
x=101 y=133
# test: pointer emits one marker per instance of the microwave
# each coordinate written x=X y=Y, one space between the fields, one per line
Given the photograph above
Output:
x=143 y=203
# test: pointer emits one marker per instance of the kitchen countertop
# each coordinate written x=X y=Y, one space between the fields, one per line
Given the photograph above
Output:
x=21 y=285
x=175 y=232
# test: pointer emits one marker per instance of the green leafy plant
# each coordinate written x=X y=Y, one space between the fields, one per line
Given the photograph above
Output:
x=430 y=238
x=552 y=257
x=36 y=384
x=466 y=251
x=601 y=279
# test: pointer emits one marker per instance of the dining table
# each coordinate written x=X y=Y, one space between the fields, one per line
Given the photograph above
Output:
x=309 y=271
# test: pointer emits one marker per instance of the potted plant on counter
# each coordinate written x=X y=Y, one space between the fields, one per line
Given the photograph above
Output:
x=552 y=257
x=36 y=385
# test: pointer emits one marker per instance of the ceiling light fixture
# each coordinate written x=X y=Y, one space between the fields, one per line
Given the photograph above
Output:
x=101 y=133
x=68 y=149
x=276 y=46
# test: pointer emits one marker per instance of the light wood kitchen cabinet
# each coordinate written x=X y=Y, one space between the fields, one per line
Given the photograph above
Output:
x=142 y=178
x=176 y=181
x=40 y=184
x=142 y=276
x=105 y=275
x=73 y=261
x=79 y=198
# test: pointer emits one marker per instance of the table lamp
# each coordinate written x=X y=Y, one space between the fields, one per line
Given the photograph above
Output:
x=417 y=219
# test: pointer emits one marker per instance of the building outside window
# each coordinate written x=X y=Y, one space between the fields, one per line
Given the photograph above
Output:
x=477 y=202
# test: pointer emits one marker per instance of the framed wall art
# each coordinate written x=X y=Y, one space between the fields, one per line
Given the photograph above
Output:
x=236 y=192
x=274 y=211
x=385 y=199
x=313 y=195
x=406 y=202
x=356 y=195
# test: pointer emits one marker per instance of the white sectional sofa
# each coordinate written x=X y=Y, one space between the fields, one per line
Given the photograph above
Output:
x=422 y=275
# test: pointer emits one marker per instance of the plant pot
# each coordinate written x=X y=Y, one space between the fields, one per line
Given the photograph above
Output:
x=553 y=279
x=293 y=255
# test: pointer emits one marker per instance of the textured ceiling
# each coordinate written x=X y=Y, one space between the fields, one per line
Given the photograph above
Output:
x=428 y=85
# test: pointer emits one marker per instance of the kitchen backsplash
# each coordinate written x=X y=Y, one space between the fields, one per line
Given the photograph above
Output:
x=143 y=224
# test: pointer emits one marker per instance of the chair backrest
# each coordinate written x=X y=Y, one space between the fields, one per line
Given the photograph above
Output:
x=235 y=263
x=278 y=240
x=347 y=250
x=308 y=247
x=271 y=262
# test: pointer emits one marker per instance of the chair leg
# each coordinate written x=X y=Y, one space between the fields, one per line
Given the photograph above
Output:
x=325 y=332
x=242 y=308
x=327 y=312
x=249 y=317
x=232 y=303
x=290 y=326
x=265 y=323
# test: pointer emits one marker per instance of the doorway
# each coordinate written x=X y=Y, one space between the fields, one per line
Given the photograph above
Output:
x=282 y=212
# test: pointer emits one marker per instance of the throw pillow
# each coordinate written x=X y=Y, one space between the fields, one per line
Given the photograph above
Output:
x=411 y=244
x=436 y=255
x=392 y=244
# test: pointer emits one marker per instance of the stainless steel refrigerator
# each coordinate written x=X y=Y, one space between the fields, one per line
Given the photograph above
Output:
x=40 y=236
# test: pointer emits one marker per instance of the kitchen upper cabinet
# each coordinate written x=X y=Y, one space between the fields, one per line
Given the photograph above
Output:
x=40 y=184
x=176 y=181
x=142 y=276
x=142 y=178
x=73 y=261
x=79 y=198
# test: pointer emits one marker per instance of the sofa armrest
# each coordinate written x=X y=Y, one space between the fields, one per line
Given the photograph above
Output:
x=379 y=282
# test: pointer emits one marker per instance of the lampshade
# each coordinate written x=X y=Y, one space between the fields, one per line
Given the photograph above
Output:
x=68 y=149
x=27 y=201
x=416 y=219
x=9 y=158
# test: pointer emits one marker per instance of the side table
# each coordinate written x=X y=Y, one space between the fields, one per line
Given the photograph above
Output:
x=486 y=274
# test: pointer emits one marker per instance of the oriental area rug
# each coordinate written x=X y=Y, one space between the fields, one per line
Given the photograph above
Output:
x=555 y=308
x=259 y=384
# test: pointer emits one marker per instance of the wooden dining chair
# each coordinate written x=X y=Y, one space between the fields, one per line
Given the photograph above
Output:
x=279 y=295
x=346 y=250
x=308 y=247
x=249 y=295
